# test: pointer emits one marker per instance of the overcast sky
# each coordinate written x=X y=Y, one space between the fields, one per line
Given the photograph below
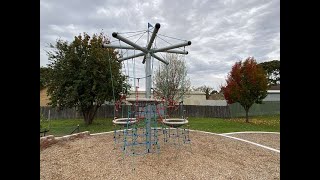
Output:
x=222 y=32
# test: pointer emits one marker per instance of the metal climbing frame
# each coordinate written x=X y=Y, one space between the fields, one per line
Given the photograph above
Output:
x=135 y=137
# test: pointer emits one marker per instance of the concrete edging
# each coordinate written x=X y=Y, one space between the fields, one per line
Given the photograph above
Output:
x=50 y=139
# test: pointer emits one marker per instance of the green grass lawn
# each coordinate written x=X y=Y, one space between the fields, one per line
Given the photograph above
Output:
x=217 y=125
x=60 y=127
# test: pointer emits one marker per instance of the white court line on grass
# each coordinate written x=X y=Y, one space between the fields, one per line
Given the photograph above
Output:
x=260 y=145
x=262 y=132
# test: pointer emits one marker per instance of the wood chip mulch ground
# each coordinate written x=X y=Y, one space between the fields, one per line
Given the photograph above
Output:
x=206 y=157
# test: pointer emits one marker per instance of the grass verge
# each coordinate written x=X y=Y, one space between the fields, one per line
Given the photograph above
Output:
x=270 y=123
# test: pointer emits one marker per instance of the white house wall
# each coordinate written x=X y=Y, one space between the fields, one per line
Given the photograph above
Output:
x=273 y=95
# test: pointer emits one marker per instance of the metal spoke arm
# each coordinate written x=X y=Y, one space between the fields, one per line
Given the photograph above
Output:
x=136 y=46
x=164 y=49
x=133 y=56
x=153 y=36
x=117 y=46
x=168 y=51
x=160 y=59
x=176 y=51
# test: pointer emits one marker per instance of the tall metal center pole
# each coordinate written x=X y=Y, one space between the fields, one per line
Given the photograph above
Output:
x=148 y=95
x=148 y=76
x=148 y=107
x=148 y=70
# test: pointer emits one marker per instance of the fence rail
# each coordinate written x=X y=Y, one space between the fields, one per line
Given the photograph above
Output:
x=233 y=110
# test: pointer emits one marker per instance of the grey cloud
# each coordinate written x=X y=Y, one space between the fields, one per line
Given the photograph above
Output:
x=222 y=32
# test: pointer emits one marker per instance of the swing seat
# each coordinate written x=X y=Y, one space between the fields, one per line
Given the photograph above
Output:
x=175 y=122
x=124 y=121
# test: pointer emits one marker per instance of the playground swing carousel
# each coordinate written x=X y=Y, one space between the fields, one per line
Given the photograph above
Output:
x=140 y=123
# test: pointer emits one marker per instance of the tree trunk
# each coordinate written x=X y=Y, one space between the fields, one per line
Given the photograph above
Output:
x=247 y=117
x=89 y=114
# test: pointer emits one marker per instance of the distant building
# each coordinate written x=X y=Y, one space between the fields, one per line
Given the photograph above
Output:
x=192 y=98
x=273 y=93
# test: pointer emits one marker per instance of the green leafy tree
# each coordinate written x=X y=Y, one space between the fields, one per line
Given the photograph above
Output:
x=83 y=75
x=247 y=83
x=272 y=69
x=44 y=77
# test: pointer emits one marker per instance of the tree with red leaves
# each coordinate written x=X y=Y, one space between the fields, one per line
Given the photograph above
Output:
x=247 y=83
